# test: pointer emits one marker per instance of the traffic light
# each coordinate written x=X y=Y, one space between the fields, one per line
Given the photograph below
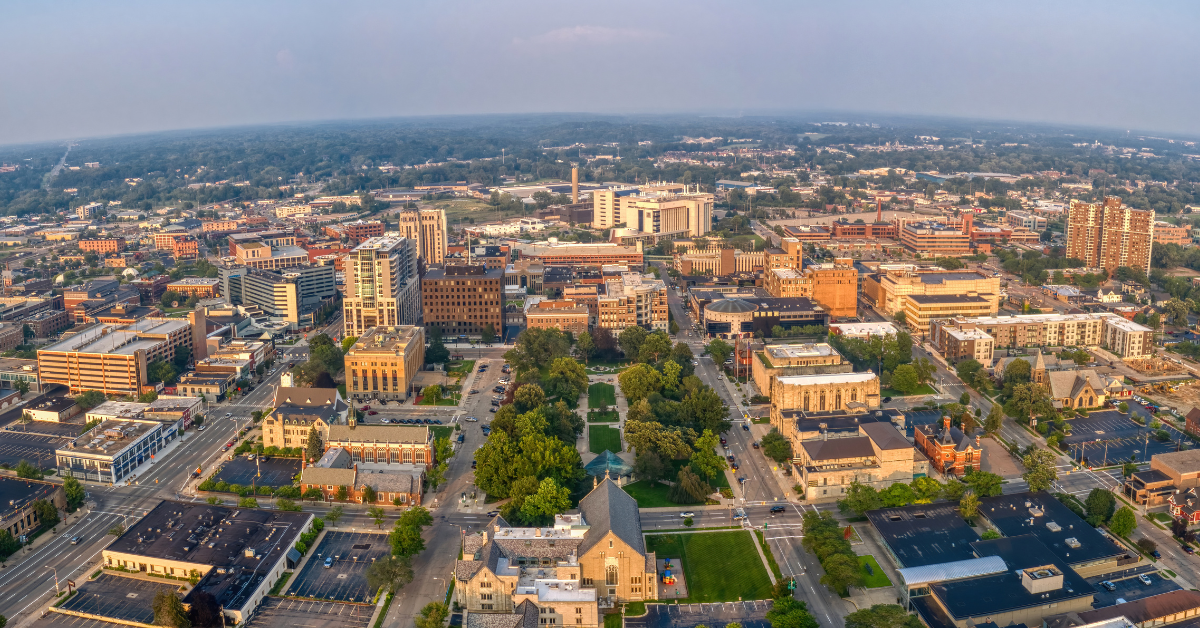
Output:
x=792 y=584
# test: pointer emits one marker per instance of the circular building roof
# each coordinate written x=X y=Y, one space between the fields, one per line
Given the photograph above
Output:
x=731 y=306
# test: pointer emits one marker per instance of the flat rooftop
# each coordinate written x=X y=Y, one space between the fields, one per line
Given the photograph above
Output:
x=996 y=594
x=1027 y=319
x=16 y=492
x=110 y=437
x=959 y=333
x=924 y=534
x=925 y=299
x=865 y=329
x=833 y=378
x=1062 y=531
x=940 y=278
x=807 y=350
x=195 y=281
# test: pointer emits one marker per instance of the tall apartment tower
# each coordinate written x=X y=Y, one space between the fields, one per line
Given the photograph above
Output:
x=1110 y=235
x=382 y=286
x=426 y=227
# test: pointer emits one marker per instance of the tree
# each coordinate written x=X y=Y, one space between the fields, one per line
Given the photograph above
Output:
x=22 y=387
x=1017 y=372
x=860 y=498
x=433 y=615
x=995 y=419
x=406 y=537
x=689 y=488
x=776 y=447
x=648 y=466
x=924 y=369
x=925 y=490
x=904 y=379
x=1040 y=470
x=984 y=483
x=1123 y=407
x=654 y=347
x=205 y=611
x=719 y=350
x=898 y=494
x=436 y=352
x=882 y=616
x=965 y=399
x=333 y=515
x=705 y=460
x=377 y=515
x=566 y=379
x=74 y=493
x=639 y=382
x=488 y=335
x=549 y=500
x=585 y=346
x=28 y=471
x=314 y=448
x=343 y=493
x=433 y=393
x=630 y=339
x=117 y=530
x=1123 y=522
x=1147 y=545
x=248 y=502
x=967 y=369
x=841 y=572
x=90 y=399
x=169 y=610
x=528 y=397
x=968 y=506
x=788 y=612
x=390 y=573
x=1100 y=506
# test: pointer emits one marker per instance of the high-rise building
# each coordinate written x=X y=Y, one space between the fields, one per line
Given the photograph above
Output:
x=633 y=299
x=426 y=227
x=663 y=208
x=382 y=287
x=292 y=295
x=1110 y=235
x=463 y=300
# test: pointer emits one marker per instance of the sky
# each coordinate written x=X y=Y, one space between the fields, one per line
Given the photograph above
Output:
x=81 y=69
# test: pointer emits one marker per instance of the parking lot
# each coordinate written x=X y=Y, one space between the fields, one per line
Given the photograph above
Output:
x=274 y=472
x=751 y=614
x=36 y=448
x=275 y=612
x=116 y=597
x=1131 y=588
x=346 y=579
x=1120 y=436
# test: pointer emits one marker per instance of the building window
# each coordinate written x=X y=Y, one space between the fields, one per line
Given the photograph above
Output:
x=610 y=575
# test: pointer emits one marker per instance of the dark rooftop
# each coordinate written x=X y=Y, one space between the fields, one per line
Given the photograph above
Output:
x=1000 y=593
x=933 y=278
x=1011 y=515
x=435 y=274
x=16 y=492
x=54 y=404
x=924 y=534
x=838 y=448
x=205 y=534
x=834 y=421
x=786 y=304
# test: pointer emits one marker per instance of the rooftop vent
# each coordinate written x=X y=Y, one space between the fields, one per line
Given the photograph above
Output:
x=1073 y=543
x=1054 y=527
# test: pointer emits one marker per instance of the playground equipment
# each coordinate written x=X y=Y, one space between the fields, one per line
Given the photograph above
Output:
x=667 y=578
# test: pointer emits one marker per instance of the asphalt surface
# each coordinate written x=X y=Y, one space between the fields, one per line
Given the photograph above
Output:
x=345 y=580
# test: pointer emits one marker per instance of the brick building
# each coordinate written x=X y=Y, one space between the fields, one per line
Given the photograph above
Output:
x=463 y=299
x=951 y=451
x=102 y=246
x=565 y=315
x=1110 y=235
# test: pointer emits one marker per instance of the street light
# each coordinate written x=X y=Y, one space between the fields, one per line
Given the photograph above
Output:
x=56 y=590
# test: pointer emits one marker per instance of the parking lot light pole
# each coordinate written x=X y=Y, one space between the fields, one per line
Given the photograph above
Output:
x=56 y=590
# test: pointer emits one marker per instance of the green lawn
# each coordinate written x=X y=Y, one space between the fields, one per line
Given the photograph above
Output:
x=603 y=417
x=718 y=482
x=925 y=389
x=460 y=368
x=719 y=566
x=876 y=579
x=1161 y=516
x=602 y=437
x=445 y=401
x=441 y=431
x=601 y=394
x=650 y=495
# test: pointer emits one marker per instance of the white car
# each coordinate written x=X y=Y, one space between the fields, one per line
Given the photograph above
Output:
x=201 y=428
x=687 y=513
x=471 y=419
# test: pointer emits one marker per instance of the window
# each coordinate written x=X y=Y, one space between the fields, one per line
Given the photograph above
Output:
x=635 y=580
x=610 y=575
x=486 y=607
x=485 y=596
x=485 y=585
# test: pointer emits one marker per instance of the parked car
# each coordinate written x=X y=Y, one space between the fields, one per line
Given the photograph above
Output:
x=1156 y=556
x=755 y=445
x=887 y=399
x=723 y=440
x=729 y=458
x=200 y=429
x=492 y=409
x=1189 y=549
x=1145 y=579
x=1108 y=585
x=372 y=412
x=471 y=419
x=492 y=513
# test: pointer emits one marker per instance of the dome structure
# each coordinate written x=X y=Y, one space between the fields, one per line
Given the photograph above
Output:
x=731 y=306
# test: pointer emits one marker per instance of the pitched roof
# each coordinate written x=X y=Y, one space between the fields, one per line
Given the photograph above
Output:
x=838 y=448
x=1071 y=383
x=327 y=477
x=306 y=397
x=885 y=436
x=380 y=433
x=608 y=507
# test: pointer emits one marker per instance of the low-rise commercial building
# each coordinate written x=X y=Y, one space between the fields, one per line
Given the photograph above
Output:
x=336 y=474
x=383 y=363
x=199 y=287
x=238 y=553
x=384 y=444
x=19 y=516
x=1169 y=474
x=920 y=310
x=887 y=288
x=111 y=451
x=934 y=239
x=952 y=451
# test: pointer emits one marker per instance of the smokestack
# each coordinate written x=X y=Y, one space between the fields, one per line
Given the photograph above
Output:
x=574 y=185
x=878 y=209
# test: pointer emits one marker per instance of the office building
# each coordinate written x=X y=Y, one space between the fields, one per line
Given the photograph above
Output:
x=668 y=215
x=1110 y=235
x=103 y=246
x=383 y=362
x=745 y=316
x=293 y=295
x=293 y=211
x=112 y=359
x=957 y=344
x=267 y=250
x=238 y=553
x=873 y=454
x=1172 y=473
x=633 y=299
x=564 y=315
x=198 y=287
x=935 y=239
x=111 y=451
x=887 y=288
x=463 y=300
x=382 y=287
x=1114 y=333
x=608 y=206
x=920 y=310
x=1026 y=220
x=833 y=285
x=427 y=228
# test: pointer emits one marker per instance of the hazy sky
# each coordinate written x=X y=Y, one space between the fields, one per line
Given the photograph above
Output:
x=85 y=69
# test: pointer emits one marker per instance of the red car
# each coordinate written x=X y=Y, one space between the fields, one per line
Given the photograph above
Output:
x=365 y=408
x=372 y=412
